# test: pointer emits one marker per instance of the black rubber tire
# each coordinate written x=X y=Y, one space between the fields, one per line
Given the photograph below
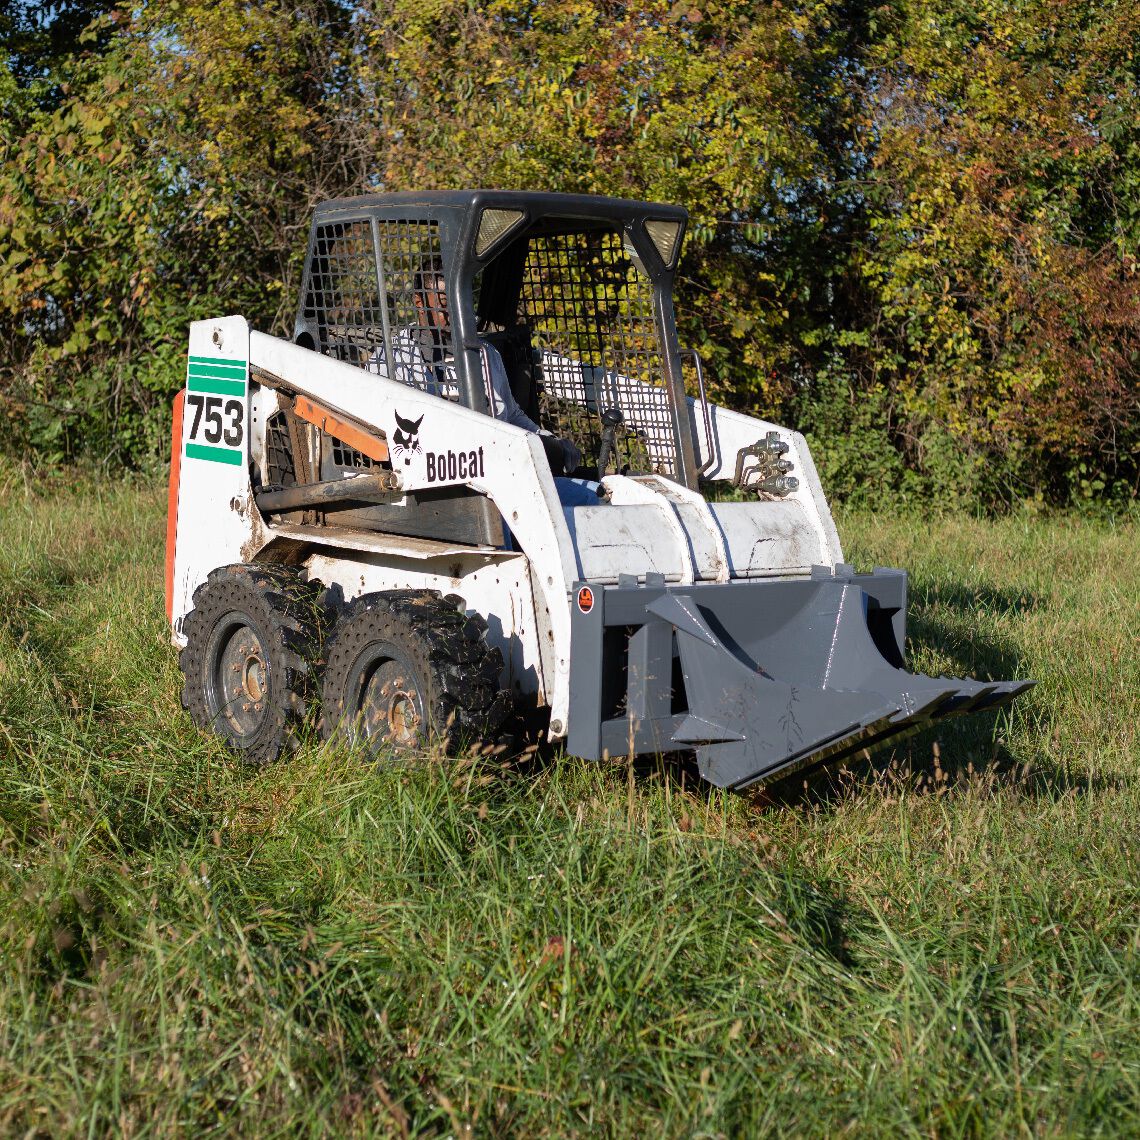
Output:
x=271 y=618
x=407 y=668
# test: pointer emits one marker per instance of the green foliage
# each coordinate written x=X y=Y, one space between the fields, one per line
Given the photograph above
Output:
x=849 y=433
x=1003 y=233
x=38 y=37
x=169 y=184
x=851 y=429
x=327 y=947
x=935 y=206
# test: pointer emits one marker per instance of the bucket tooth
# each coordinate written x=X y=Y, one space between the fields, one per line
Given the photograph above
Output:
x=696 y=729
x=971 y=695
x=997 y=694
x=932 y=707
x=1008 y=690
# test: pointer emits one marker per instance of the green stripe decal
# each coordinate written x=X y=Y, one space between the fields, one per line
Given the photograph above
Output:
x=216 y=387
x=194 y=375
x=223 y=373
x=215 y=454
x=220 y=362
x=217 y=369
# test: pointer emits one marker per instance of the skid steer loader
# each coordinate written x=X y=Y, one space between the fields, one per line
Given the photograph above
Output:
x=364 y=517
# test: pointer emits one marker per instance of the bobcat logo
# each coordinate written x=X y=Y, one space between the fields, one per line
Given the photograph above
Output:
x=406 y=439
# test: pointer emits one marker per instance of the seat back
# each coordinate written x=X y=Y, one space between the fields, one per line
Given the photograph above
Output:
x=514 y=346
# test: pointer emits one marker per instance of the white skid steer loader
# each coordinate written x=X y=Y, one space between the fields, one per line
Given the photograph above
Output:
x=390 y=515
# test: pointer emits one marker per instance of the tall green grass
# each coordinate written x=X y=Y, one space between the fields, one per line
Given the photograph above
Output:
x=944 y=943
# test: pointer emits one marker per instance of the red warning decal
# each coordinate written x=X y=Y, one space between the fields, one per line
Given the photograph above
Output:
x=585 y=599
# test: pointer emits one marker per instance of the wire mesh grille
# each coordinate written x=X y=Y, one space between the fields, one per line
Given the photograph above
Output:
x=344 y=305
x=343 y=298
x=418 y=321
x=279 y=470
x=345 y=456
x=590 y=312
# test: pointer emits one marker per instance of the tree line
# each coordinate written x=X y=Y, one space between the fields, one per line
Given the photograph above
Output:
x=915 y=226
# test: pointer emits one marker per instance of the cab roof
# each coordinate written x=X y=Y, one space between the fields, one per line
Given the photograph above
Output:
x=536 y=204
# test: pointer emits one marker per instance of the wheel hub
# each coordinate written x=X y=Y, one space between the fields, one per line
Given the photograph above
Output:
x=402 y=715
x=240 y=680
x=390 y=706
x=253 y=678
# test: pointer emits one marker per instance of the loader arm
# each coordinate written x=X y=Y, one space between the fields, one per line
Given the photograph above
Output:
x=505 y=463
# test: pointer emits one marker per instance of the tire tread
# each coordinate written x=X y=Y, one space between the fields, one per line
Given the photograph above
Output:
x=465 y=703
x=288 y=608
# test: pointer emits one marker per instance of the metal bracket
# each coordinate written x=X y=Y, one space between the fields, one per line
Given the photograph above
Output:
x=706 y=418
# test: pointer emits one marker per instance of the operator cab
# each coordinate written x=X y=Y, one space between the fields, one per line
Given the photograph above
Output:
x=574 y=292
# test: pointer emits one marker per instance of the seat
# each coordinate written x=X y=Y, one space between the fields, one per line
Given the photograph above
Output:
x=514 y=346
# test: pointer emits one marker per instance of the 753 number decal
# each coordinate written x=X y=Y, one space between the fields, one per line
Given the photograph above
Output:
x=220 y=420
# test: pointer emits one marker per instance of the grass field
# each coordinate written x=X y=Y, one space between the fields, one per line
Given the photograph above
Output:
x=944 y=944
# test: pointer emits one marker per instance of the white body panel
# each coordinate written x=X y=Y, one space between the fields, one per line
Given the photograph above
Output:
x=731 y=431
x=649 y=524
x=654 y=526
x=778 y=538
x=610 y=541
x=215 y=500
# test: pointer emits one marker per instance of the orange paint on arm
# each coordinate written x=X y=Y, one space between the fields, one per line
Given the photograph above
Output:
x=362 y=441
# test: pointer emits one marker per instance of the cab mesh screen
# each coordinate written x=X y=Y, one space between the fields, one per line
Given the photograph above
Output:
x=343 y=297
x=590 y=314
x=344 y=304
x=413 y=269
